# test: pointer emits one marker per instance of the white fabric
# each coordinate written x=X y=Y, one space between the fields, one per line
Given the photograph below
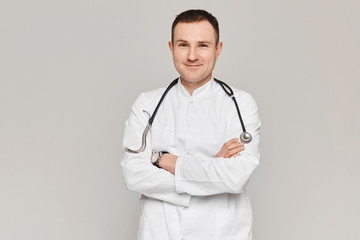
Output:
x=206 y=199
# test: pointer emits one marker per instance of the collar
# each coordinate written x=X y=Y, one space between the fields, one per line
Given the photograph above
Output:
x=204 y=90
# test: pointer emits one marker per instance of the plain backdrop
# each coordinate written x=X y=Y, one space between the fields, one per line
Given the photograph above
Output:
x=71 y=70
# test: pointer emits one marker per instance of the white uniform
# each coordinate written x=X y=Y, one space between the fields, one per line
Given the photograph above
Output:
x=206 y=199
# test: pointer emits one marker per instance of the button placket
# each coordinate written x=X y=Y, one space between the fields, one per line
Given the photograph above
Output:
x=191 y=101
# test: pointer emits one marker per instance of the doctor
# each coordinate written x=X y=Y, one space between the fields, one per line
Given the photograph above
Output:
x=197 y=191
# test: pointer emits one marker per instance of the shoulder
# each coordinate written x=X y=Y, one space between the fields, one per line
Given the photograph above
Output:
x=246 y=103
x=148 y=98
x=242 y=96
x=247 y=106
x=154 y=93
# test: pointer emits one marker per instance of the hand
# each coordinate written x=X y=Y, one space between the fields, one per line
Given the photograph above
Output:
x=231 y=148
x=168 y=162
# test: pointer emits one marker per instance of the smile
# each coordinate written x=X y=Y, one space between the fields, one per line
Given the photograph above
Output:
x=192 y=65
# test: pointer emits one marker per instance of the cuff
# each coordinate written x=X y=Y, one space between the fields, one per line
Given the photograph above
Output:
x=179 y=187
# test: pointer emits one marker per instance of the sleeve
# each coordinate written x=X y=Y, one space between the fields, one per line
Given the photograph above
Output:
x=139 y=173
x=209 y=176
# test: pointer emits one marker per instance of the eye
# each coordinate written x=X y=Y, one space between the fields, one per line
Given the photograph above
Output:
x=203 y=45
x=182 y=44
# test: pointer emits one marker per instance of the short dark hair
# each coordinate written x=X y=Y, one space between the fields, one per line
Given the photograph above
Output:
x=196 y=15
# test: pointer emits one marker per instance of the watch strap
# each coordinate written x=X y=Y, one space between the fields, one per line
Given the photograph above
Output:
x=156 y=163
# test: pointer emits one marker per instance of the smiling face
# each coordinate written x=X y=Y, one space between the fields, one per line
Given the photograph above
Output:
x=195 y=52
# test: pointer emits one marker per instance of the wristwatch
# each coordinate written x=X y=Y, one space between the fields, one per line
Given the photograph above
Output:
x=156 y=157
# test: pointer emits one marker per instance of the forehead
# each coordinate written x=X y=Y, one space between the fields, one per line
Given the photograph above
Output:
x=195 y=31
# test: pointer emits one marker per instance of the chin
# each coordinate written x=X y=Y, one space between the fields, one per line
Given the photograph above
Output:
x=193 y=77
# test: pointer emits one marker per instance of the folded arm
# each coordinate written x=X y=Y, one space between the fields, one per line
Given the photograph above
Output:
x=139 y=173
x=231 y=148
x=223 y=174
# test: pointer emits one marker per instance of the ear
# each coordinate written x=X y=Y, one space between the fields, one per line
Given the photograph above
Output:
x=171 y=47
x=218 y=49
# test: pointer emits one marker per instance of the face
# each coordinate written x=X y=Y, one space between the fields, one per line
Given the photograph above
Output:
x=194 y=53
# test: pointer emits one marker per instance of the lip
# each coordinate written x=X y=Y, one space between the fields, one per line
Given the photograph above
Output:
x=192 y=65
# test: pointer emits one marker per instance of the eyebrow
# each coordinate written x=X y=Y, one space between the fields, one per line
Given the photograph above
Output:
x=205 y=42
x=181 y=40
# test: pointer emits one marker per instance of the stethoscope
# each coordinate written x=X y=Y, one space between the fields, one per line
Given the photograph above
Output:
x=245 y=137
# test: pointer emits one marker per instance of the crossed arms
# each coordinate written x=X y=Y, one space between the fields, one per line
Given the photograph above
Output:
x=186 y=176
x=231 y=148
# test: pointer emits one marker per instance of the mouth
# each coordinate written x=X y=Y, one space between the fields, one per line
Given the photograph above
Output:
x=192 y=65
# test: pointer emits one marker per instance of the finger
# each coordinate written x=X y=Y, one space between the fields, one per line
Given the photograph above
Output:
x=220 y=153
x=235 y=151
x=235 y=155
x=234 y=140
x=235 y=145
x=228 y=146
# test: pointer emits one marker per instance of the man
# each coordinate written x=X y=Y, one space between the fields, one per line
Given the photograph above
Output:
x=196 y=188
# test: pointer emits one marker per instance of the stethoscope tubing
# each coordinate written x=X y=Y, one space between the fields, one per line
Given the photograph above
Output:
x=151 y=120
x=244 y=137
x=173 y=83
x=230 y=93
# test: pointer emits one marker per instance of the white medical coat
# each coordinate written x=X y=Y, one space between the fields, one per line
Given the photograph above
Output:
x=206 y=198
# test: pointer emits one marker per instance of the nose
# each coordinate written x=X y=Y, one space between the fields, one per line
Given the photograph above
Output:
x=192 y=54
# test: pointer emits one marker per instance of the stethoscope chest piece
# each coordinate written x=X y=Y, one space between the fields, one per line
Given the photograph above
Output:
x=245 y=137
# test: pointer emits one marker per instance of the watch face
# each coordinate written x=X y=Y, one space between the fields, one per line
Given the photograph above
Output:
x=154 y=156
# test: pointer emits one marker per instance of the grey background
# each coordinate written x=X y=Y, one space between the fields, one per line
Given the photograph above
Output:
x=70 y=71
